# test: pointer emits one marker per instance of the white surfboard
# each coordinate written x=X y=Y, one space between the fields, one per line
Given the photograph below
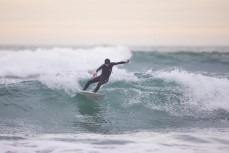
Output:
x=92 y=95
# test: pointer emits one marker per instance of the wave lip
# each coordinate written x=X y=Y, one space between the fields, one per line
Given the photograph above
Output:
x=25 y=63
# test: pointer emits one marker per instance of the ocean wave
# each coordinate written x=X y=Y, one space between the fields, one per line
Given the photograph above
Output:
x=41 y=61
x=151 y=100
x=175 y=49
x=175 y=91
x=56 y=67
x=205 y=91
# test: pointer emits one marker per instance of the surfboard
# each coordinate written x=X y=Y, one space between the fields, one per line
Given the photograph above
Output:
x=92 y=95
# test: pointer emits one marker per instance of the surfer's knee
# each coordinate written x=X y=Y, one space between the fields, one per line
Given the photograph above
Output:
x=99 y=84
x=103 y=82
x=89 y=82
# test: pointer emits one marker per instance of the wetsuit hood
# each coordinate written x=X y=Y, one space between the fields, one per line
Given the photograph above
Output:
x=107 y=61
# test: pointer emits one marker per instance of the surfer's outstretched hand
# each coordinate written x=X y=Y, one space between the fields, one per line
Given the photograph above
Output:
x=95 y=74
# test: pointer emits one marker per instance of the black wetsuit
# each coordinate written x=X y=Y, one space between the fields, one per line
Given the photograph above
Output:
x=104 y=77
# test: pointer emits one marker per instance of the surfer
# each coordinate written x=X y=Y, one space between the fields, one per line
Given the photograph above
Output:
x=104 y=77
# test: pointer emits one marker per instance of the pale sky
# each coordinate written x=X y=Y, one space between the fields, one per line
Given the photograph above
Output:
x=114 y=22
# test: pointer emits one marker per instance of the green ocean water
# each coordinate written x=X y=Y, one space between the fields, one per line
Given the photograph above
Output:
x=172 y=94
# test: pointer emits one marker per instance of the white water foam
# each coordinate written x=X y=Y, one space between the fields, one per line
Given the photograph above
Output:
x=142 y=142
x=58 y=68
x=200 y=90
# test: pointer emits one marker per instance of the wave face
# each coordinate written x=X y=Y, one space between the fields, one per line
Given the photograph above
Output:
x=156 y=91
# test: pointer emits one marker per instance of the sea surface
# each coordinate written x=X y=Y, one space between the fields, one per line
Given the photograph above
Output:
x=166 y=99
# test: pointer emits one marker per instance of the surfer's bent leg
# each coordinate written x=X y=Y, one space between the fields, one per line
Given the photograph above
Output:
x=99 y=84
x=96 y=79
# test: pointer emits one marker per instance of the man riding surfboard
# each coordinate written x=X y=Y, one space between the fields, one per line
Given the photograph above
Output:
x=104 y=77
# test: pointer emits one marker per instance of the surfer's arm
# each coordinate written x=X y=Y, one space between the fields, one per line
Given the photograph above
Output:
x=97 y=70
x=122 y=62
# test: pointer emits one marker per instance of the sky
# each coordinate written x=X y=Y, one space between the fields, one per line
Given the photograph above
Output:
x=114 y=22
